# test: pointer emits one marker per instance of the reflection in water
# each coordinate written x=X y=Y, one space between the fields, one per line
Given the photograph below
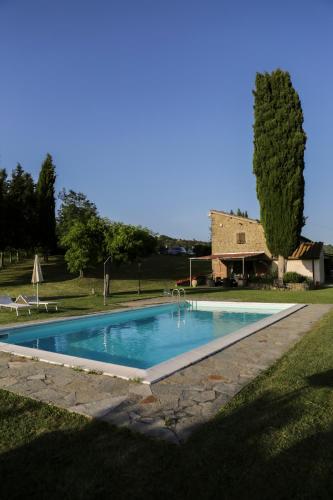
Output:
x=140 y=338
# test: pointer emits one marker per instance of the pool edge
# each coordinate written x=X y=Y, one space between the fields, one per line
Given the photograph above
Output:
x=157 y=372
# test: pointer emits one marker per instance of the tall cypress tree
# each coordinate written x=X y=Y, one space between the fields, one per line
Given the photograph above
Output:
x=278 y=161
x=45 y=199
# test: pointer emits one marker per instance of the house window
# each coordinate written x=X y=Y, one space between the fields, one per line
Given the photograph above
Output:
x=240 y=238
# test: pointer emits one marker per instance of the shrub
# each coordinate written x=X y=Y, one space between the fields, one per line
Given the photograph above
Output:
x=292 y=277
x=266 y=279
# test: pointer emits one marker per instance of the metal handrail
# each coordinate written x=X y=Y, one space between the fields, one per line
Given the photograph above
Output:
x=179 y=292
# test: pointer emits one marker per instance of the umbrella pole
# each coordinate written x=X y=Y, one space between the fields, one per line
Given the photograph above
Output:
x=37 y=297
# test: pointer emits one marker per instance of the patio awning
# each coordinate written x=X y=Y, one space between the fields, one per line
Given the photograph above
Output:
x=232 y=256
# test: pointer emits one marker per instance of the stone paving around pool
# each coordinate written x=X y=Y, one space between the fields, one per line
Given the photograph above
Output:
x=172 y=408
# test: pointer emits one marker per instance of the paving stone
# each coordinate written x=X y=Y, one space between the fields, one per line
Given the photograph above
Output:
x=184 y=403
x=38 y=376
x=121 y=419
x=7 y=381
x=48 y=395
x=16 y=364
x=133 y=416
x=143 y=390
x=214 y=377
x=227 y=388
x=70 y=398
x=60 y=380
x=149 y=400
x=194 y=410
x=24 y=386
x=148 y=420
x=156 y=432
x=201 y=397
x=99 y=408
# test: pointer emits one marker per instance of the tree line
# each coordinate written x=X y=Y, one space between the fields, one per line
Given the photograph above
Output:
x=28 y=222
x=27 y=210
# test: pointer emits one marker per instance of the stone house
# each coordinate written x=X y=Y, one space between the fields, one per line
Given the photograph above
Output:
x=239 y=247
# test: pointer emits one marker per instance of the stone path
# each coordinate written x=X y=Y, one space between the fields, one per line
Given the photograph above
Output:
x=172 y=408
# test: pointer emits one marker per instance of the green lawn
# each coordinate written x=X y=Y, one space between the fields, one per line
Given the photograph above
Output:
x=158 y=272
x=273 y=440
x=75 y=294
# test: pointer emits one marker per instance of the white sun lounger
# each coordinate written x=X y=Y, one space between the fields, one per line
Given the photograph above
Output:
x=32 y=301
x=6 y=301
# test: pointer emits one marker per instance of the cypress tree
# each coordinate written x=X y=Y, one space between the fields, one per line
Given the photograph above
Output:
x=278 y=162
x=21 y=210
x=45 y=201
x=3 y=213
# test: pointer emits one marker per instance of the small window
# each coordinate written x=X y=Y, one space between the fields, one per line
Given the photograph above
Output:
x=240 y=238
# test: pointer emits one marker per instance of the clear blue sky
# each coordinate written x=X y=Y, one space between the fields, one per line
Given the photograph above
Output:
x=147 y=107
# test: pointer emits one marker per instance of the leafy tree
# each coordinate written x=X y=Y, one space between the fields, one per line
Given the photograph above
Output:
x=128 y=243
x=75 y=207
x=21 y=210
x=202 y=249
x=85 y=244
x=45 y=200
x=278 y=161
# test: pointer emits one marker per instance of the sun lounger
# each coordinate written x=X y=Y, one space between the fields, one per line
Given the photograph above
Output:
x=6 y=301
x=32 y=301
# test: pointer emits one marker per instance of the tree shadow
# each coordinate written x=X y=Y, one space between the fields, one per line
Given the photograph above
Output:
x=323 y=379
x=260 y=449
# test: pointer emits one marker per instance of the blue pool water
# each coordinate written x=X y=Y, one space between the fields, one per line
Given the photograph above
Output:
x=140 y=338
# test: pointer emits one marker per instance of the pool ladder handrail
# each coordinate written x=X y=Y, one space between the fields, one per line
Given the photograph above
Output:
x=179 y=292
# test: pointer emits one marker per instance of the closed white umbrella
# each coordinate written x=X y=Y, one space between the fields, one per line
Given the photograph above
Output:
x=37 y=275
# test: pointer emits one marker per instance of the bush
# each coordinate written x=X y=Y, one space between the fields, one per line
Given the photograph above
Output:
x=266 y=279
x=293 y=277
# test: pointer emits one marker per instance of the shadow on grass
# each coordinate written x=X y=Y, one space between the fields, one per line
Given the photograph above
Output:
x=323 y=379
x=259 y=449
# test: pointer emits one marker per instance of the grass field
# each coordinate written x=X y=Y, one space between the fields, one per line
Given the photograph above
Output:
x=158 y=273
x=274 y=440
x=75 y=295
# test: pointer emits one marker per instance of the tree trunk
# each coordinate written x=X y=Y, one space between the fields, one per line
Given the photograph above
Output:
x=81 y=273
x=281 y=267
x=10 y=257
x=46 y=257
x=17 y=256
x=1 y=260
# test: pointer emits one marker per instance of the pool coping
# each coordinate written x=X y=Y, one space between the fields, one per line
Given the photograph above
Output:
x=161 y=370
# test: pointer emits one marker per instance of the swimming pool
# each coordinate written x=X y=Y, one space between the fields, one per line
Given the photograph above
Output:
x=145 y=342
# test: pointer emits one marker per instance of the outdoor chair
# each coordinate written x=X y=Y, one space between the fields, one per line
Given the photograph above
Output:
x=6 y=301
x=32 y=301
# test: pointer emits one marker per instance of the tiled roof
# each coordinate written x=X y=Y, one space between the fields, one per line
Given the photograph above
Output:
x=232 y=256
x=307 y=250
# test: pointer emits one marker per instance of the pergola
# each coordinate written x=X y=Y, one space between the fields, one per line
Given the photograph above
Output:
x=227 y=257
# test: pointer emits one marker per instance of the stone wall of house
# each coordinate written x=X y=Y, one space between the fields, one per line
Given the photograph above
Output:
x=225 y=230
x=224 y=234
